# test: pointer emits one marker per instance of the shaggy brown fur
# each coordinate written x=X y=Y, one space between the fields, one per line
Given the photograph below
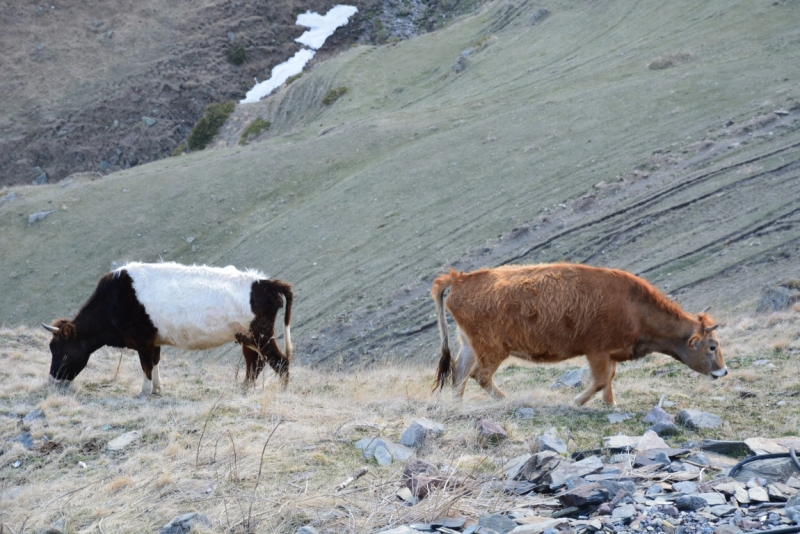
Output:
x=553 y=312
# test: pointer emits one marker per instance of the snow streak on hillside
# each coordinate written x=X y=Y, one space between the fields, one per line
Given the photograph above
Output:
x=321 y=27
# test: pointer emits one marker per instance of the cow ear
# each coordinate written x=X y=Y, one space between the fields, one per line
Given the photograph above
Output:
x=67 y=330
x=694 y=341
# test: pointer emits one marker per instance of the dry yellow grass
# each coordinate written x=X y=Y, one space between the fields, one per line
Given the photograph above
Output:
x=202 y=442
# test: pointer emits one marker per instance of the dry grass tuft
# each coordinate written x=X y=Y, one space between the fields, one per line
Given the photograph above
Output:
x=202 y=442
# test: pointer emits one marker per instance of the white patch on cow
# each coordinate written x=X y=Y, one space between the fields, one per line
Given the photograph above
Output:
x=194 y=307
x=156 y=381
x=720 y=373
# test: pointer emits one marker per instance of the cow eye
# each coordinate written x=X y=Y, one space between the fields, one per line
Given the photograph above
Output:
x=712 y=348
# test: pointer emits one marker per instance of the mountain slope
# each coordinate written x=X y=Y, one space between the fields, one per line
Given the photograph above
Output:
x=553 y=141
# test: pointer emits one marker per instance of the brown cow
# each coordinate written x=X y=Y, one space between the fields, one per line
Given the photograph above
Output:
x=553 y=312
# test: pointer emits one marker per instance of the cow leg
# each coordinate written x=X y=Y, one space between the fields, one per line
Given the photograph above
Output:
x=146 y=359
x=483 y=372
x=603 y=370
x=156 y=375
x=463 y=365
x=255 y=363
x=276 y=360
x=608 y=392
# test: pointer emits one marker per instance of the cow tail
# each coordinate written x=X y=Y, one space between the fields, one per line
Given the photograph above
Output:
x=437 y=292
x=286 y=290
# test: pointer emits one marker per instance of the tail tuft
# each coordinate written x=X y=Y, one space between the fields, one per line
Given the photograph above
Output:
x=437 y=293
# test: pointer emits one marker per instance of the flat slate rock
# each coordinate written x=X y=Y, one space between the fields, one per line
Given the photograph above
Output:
x=498 y=522
x=695 y=419
x=718 y=446
x=550 y=443
x=558 y=477
x=619 y=417
x=120 y=442
x=665 y=429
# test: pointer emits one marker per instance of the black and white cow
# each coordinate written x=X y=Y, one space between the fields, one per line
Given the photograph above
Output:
x=142 y=306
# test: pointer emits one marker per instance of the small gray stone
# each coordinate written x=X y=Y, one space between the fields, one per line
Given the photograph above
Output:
x=231 y=37
x=571 y=379
x=103 y=166
x=307 y=529
x=525 y=413
x=695 y=419
x=620 y=513
x=657 y=415
x=38 y=216
x=655 y=489
x=685 y=487
x=25 y=440
x=382 y=456
x=550 y=443
x=109 y=34
x=490 y=432
x=618 y=417
x=498 y=522
x=537 y=16
x=149 y=121
x=420 y=431
x=9 y=197
x=690 y=503
x=185 y=523
x=698 y=458
x=33 y=416
x=41 y=179
x=614 y=486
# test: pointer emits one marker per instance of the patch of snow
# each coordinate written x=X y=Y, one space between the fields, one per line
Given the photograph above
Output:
x=280 y=73
x=321 y=27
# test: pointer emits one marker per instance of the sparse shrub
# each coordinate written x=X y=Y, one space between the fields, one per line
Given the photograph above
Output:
x=669 y=60
x=236 y=55
x=296 y=77
x=333 y=95
x=208 y=125
x=179 y=150
x=254 y=129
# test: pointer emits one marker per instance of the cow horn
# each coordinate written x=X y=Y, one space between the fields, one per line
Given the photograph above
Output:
x=711 y=328
x=51 y=329
x=706 y=310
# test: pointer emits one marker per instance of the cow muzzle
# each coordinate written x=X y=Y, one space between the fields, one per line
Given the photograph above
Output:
x=719 y=373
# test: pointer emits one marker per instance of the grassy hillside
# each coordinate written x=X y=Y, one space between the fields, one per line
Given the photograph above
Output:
x=554 y=141
x=208 y=446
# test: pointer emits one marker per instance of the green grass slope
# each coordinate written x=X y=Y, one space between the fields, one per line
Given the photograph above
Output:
x=554 y=141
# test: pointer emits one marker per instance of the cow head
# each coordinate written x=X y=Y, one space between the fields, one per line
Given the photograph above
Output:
x=703 y=353
x=69 y=352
